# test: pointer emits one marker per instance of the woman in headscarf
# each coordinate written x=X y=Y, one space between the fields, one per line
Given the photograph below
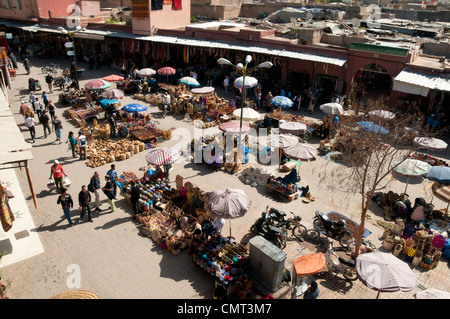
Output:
x=418 y=214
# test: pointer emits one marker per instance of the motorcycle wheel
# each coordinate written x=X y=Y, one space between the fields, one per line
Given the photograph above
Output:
x=318 y=225
x=344 y=240
x=43 y=70
x=313 y=236
x=280 y=242
x=350 y=274
x=253 y=229
x=299 y=231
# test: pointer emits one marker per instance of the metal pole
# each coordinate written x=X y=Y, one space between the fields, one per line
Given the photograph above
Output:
x=75 y=61
x=242 y=113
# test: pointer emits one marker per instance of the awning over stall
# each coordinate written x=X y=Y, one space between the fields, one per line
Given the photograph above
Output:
x=419 y=83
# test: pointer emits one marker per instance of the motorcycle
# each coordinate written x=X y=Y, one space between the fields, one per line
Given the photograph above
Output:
x=334 y=229
x=292 y=223
x=339 y=265
x=263 y=226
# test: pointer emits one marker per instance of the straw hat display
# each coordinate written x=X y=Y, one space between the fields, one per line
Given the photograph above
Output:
x=76 y=294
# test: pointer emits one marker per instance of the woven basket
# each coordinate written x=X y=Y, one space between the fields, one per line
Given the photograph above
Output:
x=76 y=294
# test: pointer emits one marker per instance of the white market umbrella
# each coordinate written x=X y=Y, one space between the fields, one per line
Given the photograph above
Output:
x=384 y=272
x=382 y=114
x=282 y=140
x=430 y=143
x=228 y=203
x=292 y=127
x=248 y=82
x=332 y=108
x=303 y=152
x=146 y=72
x=248 y=114
x=112 y=94
x=411 y=167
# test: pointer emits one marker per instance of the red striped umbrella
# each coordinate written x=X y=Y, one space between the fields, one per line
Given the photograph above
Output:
x=163 y=156
x=167 y=70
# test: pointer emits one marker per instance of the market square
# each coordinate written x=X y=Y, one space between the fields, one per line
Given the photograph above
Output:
x=144 y=183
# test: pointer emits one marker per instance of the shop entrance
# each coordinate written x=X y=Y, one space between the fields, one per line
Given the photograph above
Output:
x=371 y=82
x=326 y=84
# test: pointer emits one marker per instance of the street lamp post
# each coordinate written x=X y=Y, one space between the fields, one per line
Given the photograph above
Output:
x=71 y=35
x=244 y=71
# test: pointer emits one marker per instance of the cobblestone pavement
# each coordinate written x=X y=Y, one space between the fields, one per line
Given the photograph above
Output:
x=116 y=261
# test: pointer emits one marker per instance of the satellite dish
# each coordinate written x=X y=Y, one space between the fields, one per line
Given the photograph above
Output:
x=356 y=23
x=294 y=22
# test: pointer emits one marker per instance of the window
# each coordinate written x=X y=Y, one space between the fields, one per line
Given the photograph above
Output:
x=8 y=4
x=19 y=4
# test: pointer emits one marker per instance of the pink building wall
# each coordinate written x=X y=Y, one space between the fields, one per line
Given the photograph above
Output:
x=167 y=18
x=58 y=7
x=32 y=10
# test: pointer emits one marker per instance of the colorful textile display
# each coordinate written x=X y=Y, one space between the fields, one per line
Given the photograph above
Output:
x=140 y=8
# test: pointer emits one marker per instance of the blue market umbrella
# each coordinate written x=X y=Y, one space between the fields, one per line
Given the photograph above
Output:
x=134 y=107
x=372 y=127
x=189 y=81
x=439 y=174
x=281 y=101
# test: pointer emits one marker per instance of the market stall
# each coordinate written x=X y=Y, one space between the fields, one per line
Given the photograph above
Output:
x=419 y=233
x=174 y=218
x=129 y=86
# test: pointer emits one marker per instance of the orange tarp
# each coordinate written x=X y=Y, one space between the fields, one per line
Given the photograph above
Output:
x=309 y=264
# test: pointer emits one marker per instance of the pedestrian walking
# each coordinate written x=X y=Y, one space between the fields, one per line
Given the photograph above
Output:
x=51 y=109
x=58 y=174
x=312 y=292
x=32 y=99
x=134 y=197
x=166 y=103
x=38 y=108
x=226 y=84
x=27 y=65
x=209 y=78
x=45 y=100
x=82 y=145
x=94 y=187
x=49 y=81
x=29 y=122
x=112 y=173
x=23 y=108
x=112 y=124
x=72 y=142
x=13 y=59
x=109 y=192
x=29 y=112
x=67 y=203
x=84 y=199
x=45 y=121
x=57 y=127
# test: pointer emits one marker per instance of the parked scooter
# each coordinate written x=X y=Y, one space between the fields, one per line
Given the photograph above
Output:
x=334 y=229
x=339 y=265
x=264 y=227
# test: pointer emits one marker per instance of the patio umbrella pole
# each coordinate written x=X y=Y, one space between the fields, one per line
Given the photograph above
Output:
x=378 y=294
x=242 y=114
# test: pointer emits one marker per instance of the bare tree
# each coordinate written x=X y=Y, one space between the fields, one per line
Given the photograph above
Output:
x=372 y=151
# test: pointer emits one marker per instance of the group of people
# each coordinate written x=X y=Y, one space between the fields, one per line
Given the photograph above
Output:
x=84 y=196
x=45 y=114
